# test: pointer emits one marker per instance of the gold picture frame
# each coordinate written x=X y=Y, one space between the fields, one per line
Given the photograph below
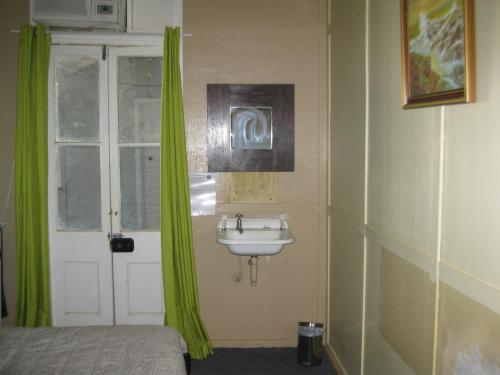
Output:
x=437 y=52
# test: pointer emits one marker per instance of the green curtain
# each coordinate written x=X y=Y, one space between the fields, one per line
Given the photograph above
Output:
x=179 y=271
x=32 y=245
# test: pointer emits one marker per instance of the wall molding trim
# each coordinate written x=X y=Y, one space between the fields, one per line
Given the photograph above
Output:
x=478 y=290
x=409 y=253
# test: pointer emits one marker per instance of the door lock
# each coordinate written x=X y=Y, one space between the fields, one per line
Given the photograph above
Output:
x=120 y=244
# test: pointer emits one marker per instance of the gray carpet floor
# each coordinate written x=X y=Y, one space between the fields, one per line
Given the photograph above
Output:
x=262 y=361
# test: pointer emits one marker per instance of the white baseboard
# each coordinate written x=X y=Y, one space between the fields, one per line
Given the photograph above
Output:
x=254 y=343
x=335 y=361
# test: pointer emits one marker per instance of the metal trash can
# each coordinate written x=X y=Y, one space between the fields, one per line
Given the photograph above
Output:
x=310 y=346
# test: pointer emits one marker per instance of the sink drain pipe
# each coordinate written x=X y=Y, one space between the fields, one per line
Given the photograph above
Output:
x=253 y=263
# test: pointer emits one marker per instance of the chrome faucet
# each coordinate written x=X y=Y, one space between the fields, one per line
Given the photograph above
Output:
x=239 y=224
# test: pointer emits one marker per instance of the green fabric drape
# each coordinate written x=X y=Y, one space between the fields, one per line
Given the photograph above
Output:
x=179 y=272
x=32 y=245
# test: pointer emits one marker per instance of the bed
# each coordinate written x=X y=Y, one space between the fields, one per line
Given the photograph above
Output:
x=93 y=350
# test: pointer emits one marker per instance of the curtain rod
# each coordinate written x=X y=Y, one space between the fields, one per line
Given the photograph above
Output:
x=50 y=32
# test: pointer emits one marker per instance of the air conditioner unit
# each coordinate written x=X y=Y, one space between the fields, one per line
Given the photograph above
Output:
x=71 y=14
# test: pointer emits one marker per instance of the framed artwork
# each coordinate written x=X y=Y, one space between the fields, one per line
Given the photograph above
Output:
x=250 y=127
x=438 y=52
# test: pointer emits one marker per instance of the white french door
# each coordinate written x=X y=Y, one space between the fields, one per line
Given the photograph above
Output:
x=135 y=110
x=104 y=180
x=79 y=190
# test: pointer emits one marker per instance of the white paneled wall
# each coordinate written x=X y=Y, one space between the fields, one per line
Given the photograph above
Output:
x=432 y=185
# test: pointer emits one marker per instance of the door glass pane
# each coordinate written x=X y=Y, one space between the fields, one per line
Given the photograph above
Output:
x=79 y=188
x=139 y=99
x=77 y=98
x=140 y=188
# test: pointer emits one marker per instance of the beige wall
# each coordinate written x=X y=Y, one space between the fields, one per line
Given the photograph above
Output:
x=12 y=15
x=403 y=186
x=261 y=42
x=470 y=257
x=432 y=281
x=347 y=125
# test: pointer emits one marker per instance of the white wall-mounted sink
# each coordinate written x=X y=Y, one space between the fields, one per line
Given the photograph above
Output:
x=261 y=235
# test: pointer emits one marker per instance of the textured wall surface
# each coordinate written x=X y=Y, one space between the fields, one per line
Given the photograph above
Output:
x=406 y=310
x=470 y=256
x=347 y=126
x=261 y=42
x=403 y=182
x=468 y=336
x=432 y=283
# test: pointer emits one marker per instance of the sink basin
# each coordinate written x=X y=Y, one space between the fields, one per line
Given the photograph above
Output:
x=255 y=241
x=258 y=238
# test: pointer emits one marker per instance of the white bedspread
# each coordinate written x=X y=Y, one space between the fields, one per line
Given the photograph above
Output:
x=92 y=350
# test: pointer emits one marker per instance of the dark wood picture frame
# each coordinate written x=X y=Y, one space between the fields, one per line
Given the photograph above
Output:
x=221 y=156
x=423 y=86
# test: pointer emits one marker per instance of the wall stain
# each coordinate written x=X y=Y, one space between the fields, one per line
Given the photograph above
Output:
x=252 y=187
x=472 y=361
x=468 y=336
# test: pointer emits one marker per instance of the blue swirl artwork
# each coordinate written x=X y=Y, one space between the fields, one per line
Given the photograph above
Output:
x=251 y=128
